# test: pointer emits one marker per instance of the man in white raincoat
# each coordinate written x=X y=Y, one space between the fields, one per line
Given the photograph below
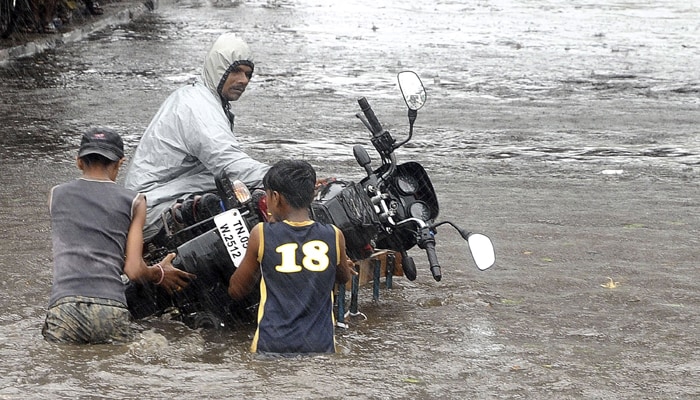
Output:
x=190 y=139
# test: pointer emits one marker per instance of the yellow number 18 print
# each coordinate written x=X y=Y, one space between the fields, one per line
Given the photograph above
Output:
x=315 y=257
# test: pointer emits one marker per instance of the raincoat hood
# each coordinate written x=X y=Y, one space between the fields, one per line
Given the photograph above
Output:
x=227 y=52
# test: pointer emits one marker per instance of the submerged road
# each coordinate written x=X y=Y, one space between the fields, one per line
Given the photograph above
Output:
x=567 y=131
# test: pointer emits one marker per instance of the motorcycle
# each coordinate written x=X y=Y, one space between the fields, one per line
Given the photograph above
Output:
x=393 y=209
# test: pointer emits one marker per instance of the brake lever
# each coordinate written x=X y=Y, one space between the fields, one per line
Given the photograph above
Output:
x=364 y=120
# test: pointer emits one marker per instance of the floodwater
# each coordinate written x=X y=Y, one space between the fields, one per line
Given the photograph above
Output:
x=515 y=88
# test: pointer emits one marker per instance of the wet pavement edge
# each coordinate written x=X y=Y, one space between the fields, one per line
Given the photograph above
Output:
x=116 y=14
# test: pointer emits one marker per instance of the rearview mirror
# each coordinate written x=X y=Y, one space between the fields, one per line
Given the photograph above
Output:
x=412 y=89
x=482 y=250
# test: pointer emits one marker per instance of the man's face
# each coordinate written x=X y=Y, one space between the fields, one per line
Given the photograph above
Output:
x=236 y=82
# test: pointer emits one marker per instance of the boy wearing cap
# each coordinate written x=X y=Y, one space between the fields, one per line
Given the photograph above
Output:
x=97 y=236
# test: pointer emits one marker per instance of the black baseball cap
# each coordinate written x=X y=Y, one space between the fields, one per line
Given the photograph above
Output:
x=102 y=141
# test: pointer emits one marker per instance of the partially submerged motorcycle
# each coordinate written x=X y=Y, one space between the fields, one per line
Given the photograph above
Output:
x=391 y=210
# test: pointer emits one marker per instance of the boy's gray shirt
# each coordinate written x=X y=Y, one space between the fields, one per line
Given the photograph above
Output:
x=89 y=223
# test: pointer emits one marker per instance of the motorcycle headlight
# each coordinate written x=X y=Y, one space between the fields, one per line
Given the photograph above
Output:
x=419 y=210
x=407 y=184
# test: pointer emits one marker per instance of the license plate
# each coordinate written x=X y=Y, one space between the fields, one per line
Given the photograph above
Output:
x=234 y=234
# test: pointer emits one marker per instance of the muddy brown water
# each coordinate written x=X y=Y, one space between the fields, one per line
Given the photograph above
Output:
x=567 y=131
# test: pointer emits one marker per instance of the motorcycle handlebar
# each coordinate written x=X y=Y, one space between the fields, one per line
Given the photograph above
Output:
x=375 y=126
x=433 y=261
x=426 y=241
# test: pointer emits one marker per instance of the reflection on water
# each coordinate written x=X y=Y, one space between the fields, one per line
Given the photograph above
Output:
x=514 y=87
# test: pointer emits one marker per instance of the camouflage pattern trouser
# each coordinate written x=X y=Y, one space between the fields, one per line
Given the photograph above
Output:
x=82 y=320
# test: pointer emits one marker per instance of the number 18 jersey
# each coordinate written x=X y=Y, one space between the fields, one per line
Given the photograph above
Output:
x=298 y=266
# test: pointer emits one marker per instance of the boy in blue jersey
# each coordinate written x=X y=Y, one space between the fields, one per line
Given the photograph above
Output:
x=297 y=261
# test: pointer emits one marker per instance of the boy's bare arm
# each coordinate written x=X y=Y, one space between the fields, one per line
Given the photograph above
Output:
x=247 y=274
x=164 y=273
x=134 y=246
x=346 y=267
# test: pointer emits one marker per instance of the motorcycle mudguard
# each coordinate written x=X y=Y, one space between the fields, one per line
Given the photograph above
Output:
x=206 y=257
x=205 y=254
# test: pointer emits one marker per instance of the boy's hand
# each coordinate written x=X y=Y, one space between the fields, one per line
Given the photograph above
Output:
x=345 y=271
x=350 y=264
x=174 y=280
